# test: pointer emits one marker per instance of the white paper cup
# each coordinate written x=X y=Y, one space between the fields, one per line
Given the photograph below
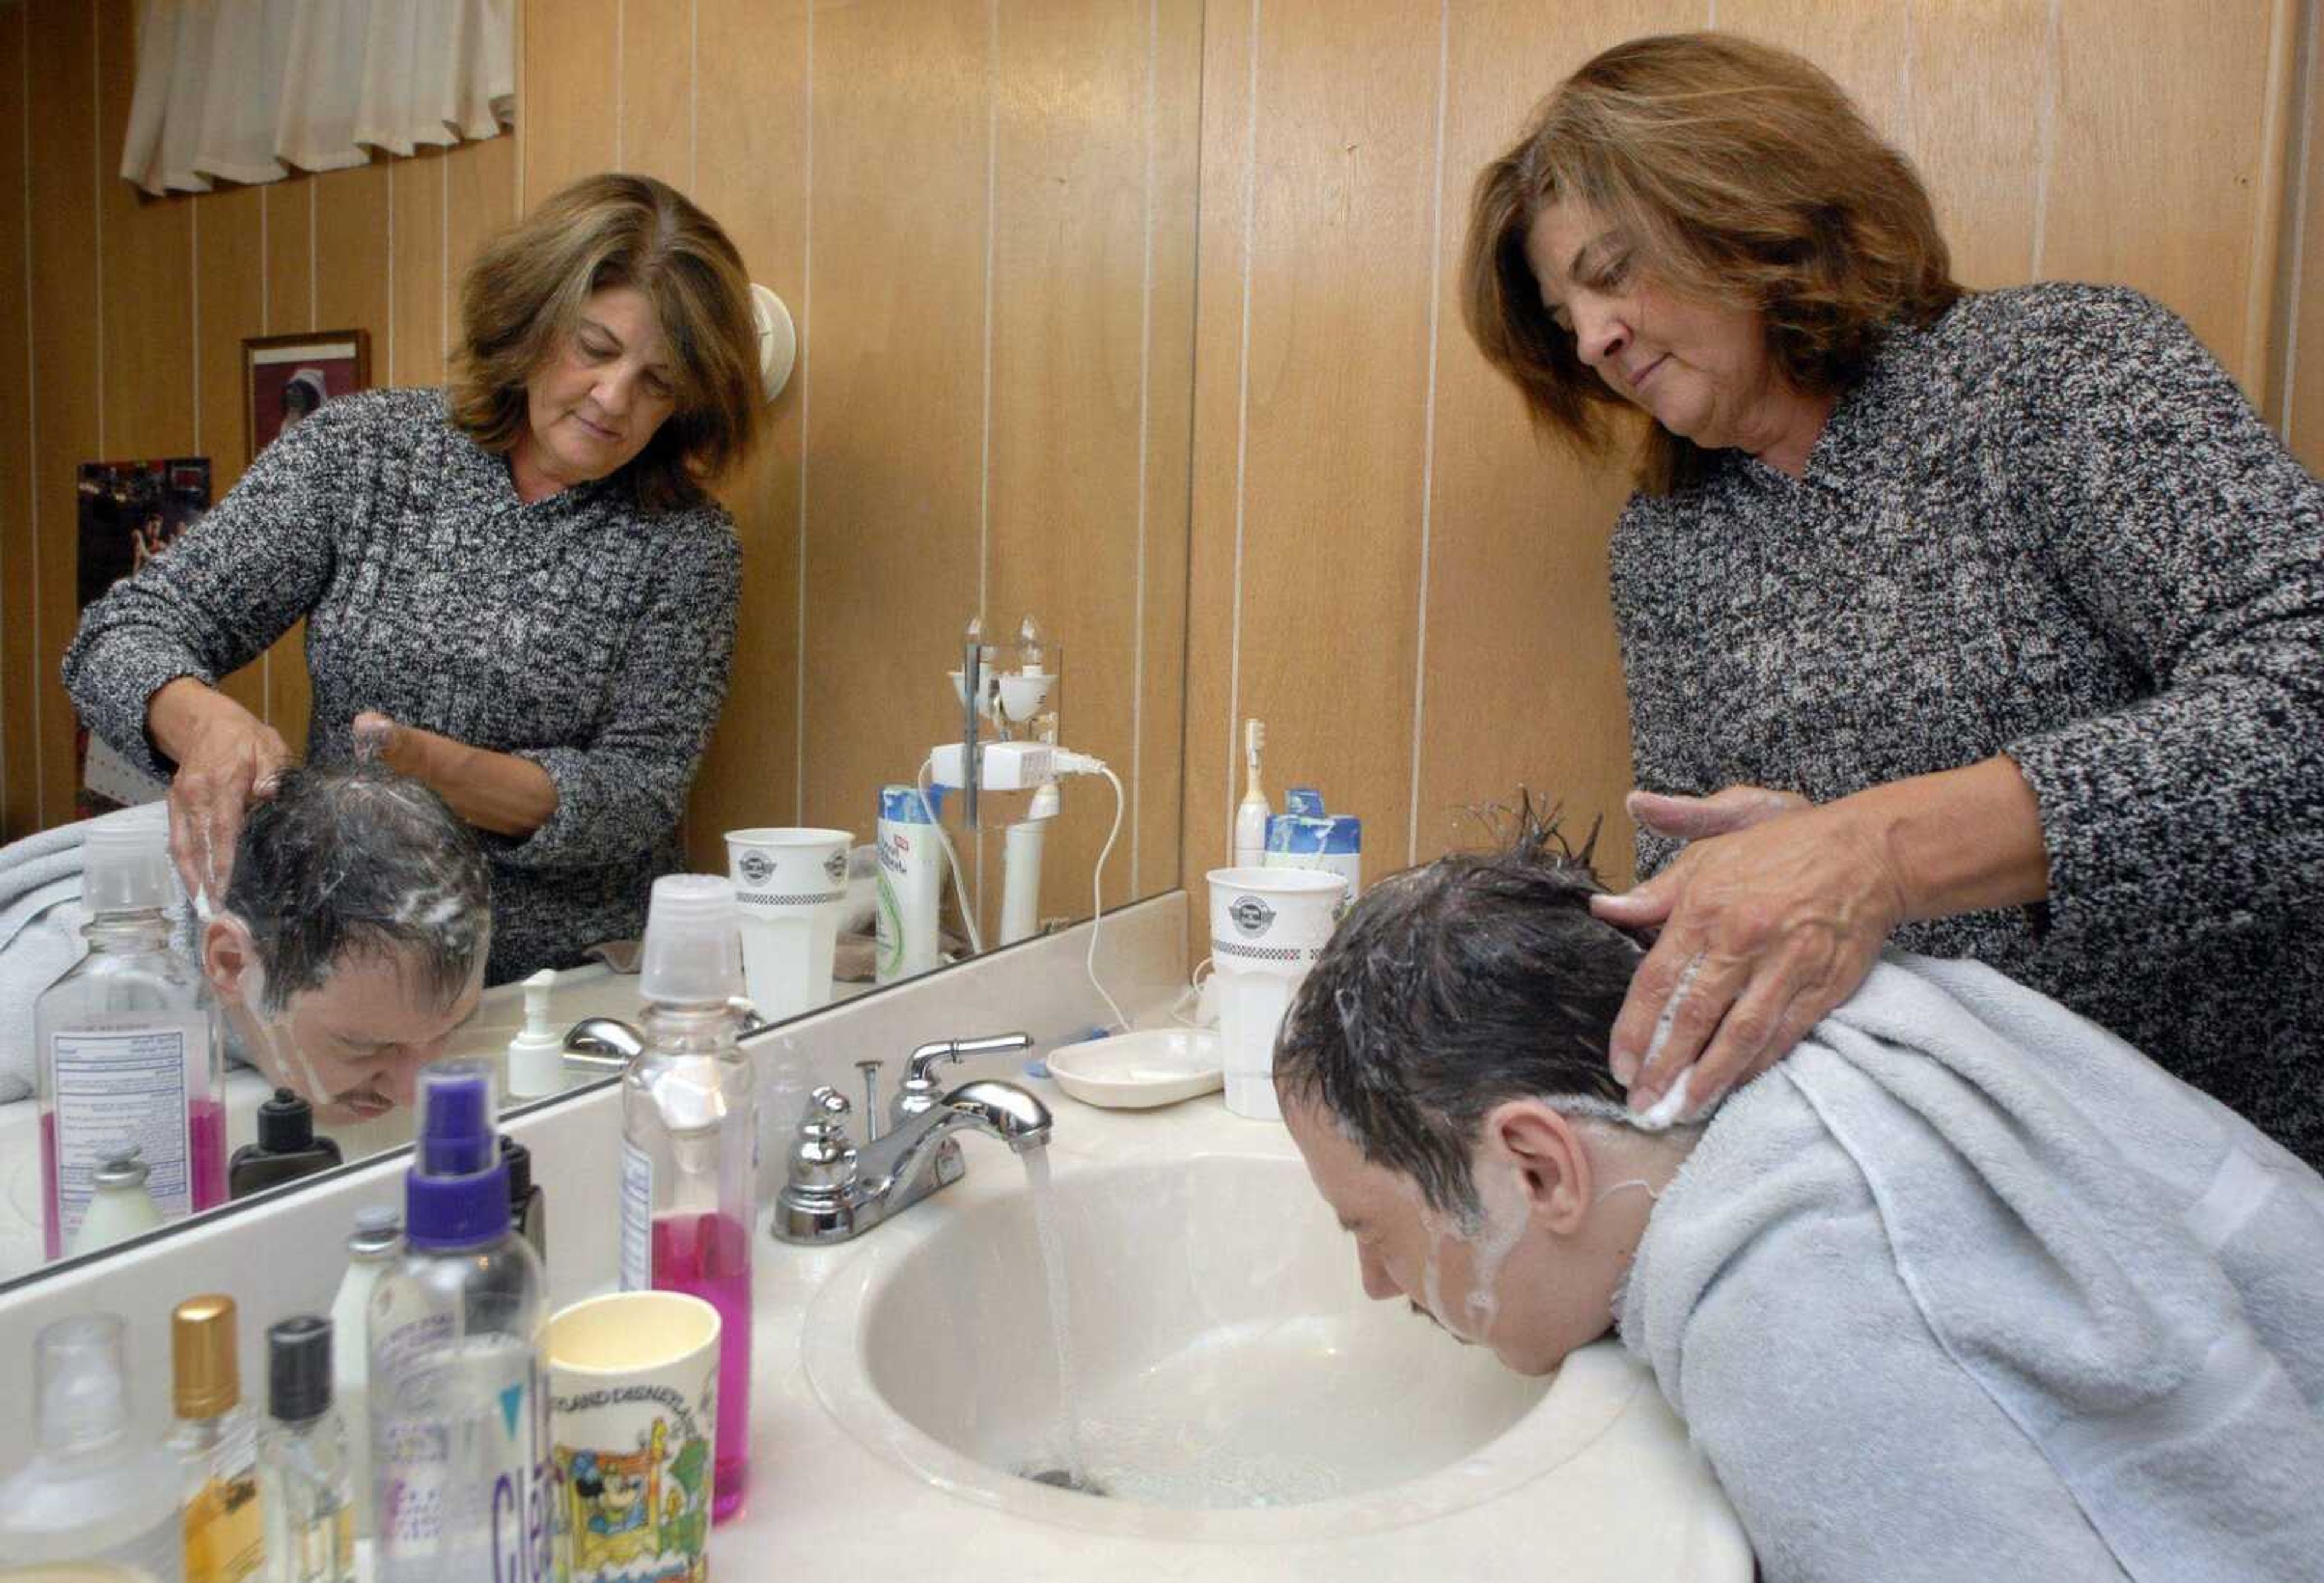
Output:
x=1268 y=927
x=790 y=885
x=633 y=1431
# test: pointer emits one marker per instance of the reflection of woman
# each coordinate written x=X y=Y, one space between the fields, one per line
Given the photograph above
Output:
x=302 y=392
x=2009 y=594
x=515 y=589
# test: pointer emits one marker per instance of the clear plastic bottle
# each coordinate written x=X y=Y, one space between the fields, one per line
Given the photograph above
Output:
x=91 y=1492
x=377 y=1240
x=302 y=1459
x=461 y=1479
x=689 y=1136
x=127 y=1041
x=216 y=1439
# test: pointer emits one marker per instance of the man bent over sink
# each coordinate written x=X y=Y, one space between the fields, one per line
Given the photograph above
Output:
x=1963 y=1288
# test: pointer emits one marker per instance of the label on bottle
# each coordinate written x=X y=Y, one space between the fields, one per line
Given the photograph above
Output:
x=637 y=1218
x=460 y=1460
x=225 y=1533
x=115 y=1087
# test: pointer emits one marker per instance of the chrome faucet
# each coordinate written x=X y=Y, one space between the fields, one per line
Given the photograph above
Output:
x=608 y=1045
x=837 y=1190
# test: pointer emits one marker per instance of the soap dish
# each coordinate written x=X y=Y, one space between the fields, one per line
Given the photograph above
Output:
x=1138 y=1071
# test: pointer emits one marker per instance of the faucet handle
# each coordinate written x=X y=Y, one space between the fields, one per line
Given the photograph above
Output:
x=920 y=1092
x=823 y=1158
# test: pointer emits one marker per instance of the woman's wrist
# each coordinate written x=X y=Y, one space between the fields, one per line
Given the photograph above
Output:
x=180 y=710
x=1959 y=841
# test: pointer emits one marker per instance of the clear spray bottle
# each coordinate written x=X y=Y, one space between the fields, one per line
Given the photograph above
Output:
x=461 y=1478
x=689 y=1139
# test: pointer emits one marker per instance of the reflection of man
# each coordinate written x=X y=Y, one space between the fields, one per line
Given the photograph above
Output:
x=1965 y=1287
x=353 y=937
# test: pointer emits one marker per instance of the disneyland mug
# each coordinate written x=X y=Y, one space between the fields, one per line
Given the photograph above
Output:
x=632 y=1421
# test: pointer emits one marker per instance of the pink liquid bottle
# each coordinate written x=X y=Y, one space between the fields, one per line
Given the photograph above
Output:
x=689 y=1138
x=127 y=1041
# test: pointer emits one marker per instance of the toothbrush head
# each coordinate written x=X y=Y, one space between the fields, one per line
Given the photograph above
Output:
x=1254 y=738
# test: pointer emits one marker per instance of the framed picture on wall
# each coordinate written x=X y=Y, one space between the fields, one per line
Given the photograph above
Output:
x=286 y=377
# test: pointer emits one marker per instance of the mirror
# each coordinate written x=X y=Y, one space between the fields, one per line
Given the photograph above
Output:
x=981 y=217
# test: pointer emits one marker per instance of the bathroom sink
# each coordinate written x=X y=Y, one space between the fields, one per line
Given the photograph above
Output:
x=1234 y=1382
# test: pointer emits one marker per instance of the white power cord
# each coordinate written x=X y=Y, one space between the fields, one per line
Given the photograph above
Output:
x=1021 y=766
x=952 y=858
x=1082 y=764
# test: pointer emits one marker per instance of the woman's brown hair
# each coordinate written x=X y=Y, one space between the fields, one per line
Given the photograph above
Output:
x=1736 y=173
x=525 y=295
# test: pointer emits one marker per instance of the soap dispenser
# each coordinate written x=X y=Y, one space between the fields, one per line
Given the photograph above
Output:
x=536 y=1056
x=94 y=1490
x=287 y=1147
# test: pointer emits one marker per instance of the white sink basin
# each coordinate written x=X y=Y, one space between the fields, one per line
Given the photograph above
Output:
x=1234 y=1380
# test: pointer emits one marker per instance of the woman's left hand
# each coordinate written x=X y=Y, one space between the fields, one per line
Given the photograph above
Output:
x=496 y=792
x=1770 y=917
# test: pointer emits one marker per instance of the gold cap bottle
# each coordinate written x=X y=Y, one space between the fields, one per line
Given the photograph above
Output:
x=206 y=1377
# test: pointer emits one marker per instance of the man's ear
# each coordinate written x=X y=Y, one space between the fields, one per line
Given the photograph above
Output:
x=230 y=961
x=1551 y=1159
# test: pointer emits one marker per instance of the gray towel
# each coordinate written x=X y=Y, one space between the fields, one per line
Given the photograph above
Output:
x=1968 y=1287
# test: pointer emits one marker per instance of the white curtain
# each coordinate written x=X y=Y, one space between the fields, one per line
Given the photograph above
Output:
x=244 y=89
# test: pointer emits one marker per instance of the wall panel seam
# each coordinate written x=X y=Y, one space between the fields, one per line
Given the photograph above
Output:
x=804 y=372
x=2297 y=287
x=1242 y=422
x=2047 y=140
x=992 y=230
x=1145 y=409
x=1428 y=427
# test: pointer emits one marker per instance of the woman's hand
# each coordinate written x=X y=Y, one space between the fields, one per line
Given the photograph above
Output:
x=1777 y=910
x=497 y=791
x=1770 y=917
x=225 y=757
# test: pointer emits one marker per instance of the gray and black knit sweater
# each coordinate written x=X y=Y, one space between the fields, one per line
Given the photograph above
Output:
x=2048 y=526
x=577 y=632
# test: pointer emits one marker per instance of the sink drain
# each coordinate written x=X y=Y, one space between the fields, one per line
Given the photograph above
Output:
x=1063 y=1479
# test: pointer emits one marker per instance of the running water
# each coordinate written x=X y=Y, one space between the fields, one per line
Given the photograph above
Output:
x=1053 y=1266
x=709 y=1256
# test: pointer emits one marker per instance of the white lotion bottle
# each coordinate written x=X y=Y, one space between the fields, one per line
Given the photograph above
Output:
x=374 y=1247
x=120 y=1207
x=91 y=1492
x=1251 y=813
x=536 y=1056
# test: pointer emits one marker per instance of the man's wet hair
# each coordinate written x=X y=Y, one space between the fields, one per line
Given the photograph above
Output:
x=354 y=860
x=1451 y=987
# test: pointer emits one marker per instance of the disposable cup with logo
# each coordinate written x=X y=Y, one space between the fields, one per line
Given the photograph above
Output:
x=1268 y=927
x=790 y=887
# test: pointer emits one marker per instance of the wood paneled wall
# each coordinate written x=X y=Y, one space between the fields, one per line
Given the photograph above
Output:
x=982 y=212
x=982 y=216
x=1390 y=570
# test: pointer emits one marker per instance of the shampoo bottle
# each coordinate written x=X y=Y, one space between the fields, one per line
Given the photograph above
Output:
x=911 y=883
x=689 y=1141
x=91 y=1492
x=216 y=1442
x=461 y=1477
x=127 y=1044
